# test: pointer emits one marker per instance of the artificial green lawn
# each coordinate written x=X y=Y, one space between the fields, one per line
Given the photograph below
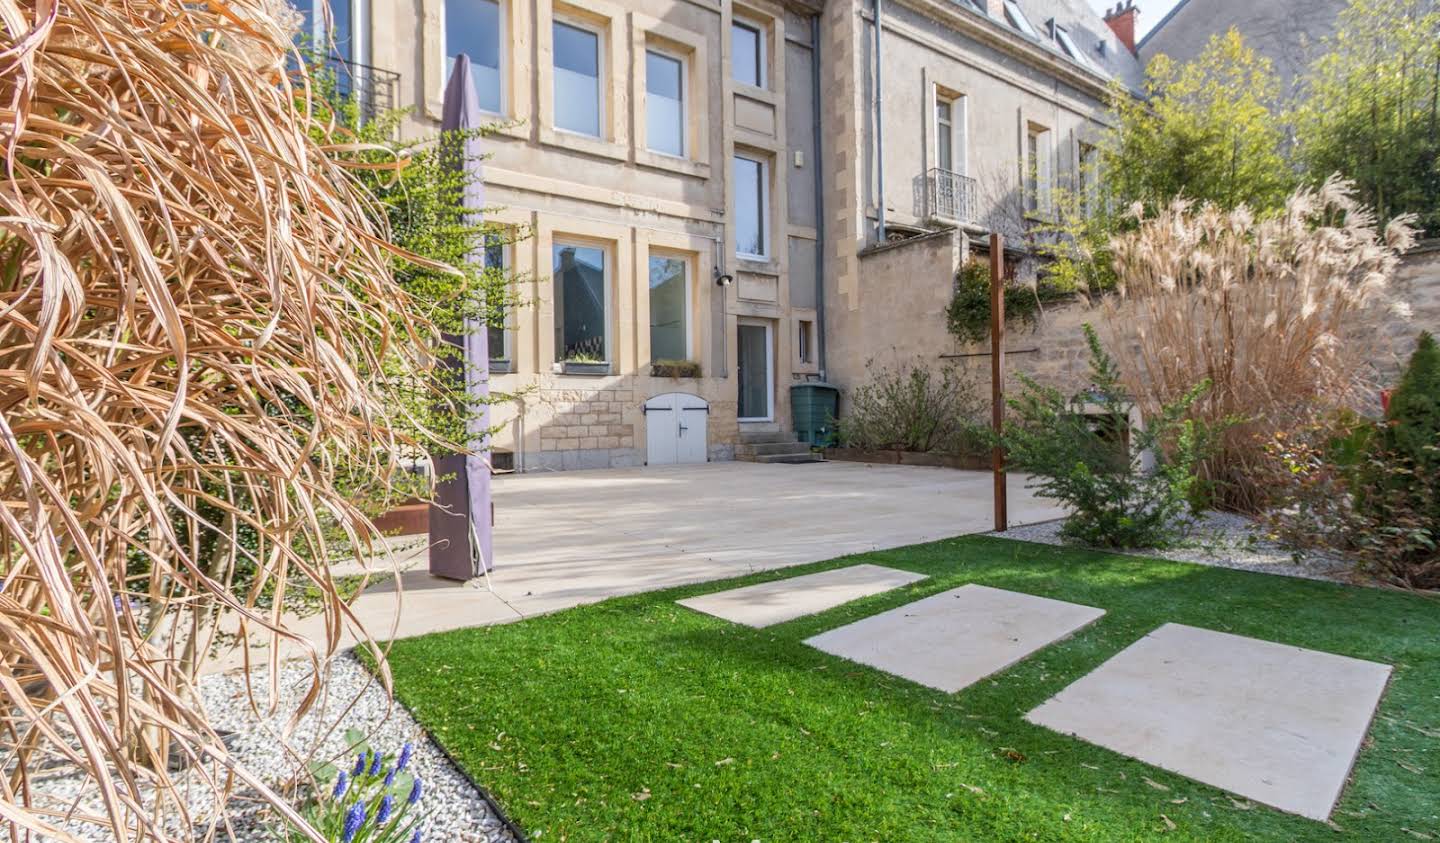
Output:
x=639 y=720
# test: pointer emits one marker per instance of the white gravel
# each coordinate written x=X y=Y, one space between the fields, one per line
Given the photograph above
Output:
x=454 y=810
x=1224 y=540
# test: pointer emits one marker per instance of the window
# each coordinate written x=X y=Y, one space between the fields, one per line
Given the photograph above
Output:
x=1068 y=45
x=581 y=328
x=1018 y=20
x=472 y=27
x=577 y=79
x=1087 y=177
x=752 y=207
x=944 y=135
x=333 y=32
x=1037 y=170
x=805 y=342
x=747 y=54
x=664 y=103
x=496 y=337
x=669 y=308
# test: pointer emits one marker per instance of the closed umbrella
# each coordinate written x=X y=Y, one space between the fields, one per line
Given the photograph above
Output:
x=461 y=517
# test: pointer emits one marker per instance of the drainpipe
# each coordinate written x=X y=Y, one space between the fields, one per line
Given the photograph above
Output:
x=879 y=128
x=819 y=193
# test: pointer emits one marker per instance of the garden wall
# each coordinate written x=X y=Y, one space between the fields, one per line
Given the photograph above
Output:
x=905 y=287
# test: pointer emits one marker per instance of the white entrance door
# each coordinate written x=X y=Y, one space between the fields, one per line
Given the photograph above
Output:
x=675 y=429
x=755 y=366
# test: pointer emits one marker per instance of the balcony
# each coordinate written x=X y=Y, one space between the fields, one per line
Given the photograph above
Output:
x=950 y=196
x=374 y=91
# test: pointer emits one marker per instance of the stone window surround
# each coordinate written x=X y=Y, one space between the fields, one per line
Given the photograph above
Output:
x=766 y=158
x=609 y=22
x=650 y=33
x=515 y=71
x=936 y=92
x=617 y=241
x=697 y=251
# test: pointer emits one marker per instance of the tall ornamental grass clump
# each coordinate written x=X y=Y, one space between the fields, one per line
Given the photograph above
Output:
x=197 y=315
x=1270 y=310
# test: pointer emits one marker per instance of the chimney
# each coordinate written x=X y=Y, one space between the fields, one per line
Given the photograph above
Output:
x=1122 y=23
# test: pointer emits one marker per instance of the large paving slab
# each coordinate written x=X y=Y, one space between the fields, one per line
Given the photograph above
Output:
x=1270 y=722
x=956 y=638
x=572 y=537
x=785 y=600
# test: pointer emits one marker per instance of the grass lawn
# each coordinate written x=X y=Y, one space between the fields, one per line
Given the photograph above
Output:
x=639 y=720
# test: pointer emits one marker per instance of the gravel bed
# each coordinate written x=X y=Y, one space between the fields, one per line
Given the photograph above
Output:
x=454 y=810
x=1224 y=540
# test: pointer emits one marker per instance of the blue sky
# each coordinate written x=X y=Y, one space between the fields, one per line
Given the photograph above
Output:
x=1151 y=11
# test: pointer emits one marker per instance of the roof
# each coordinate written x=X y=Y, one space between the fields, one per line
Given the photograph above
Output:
x=1098 y=49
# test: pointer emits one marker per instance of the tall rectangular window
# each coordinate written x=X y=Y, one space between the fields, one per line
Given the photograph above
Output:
x=577 y=79
x=669 y=308
x=1038 y=185
x=944 y=135
x=752 y=207
x=747 y=54
x=495 y=336
x=472 y=27
x=664 y=103
x=581 y=328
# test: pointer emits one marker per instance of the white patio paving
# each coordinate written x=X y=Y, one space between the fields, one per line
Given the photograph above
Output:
x=775 y=602
x=953 y=639
x=1270 y=722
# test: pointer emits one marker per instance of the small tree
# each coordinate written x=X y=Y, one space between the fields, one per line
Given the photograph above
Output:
x=1370 y=108
x=1206 y=130
x=1085 y=453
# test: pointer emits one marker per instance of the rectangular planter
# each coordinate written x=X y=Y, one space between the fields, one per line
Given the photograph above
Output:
x=591 y=369
x=970 y=462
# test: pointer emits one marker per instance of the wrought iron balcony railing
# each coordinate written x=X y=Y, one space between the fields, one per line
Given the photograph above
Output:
x=373 y=90
x=950 y=196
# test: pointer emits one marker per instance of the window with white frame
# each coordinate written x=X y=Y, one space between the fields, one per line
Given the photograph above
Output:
x=805 y=341
x=578 y=103
x=1072 y=49
x=581 y=290
x=472 y=27
x=497 y=339
x=338 y=28
x=944 y=134
x=669 y=307
x=664 y=103
x=747 y=53
x=1038 y=184
x=752 y=207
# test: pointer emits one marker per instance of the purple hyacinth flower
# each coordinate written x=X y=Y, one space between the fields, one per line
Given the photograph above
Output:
x=390 y=777
x=354 y=818
x=415 y=838
x=405 y=753
x=375 y=765
x=359 y=766
x=387 y=806
x=340 y=783
x=414 y=792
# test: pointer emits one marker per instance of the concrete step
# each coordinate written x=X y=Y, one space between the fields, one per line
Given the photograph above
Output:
x=808 y=456
x=766 y=437
x=773 y=448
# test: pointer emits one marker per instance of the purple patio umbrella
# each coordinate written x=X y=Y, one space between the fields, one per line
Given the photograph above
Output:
x=461 y=517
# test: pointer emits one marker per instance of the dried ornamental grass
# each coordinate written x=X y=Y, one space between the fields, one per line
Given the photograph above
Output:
x=1272 y=311
x=194 y=312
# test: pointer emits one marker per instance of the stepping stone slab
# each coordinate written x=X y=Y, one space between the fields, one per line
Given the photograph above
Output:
x=784 y=600
x=958 y=637
x=1277 y=724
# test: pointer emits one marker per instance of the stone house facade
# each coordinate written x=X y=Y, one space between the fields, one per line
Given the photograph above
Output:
x=707 y=181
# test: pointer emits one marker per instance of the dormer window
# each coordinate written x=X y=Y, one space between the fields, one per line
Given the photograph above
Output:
x=1018 y=20
x=1068 y=45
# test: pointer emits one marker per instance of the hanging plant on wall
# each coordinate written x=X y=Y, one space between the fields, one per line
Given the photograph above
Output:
x=968 y=315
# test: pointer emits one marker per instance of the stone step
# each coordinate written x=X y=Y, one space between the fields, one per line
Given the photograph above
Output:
x=807 y=457
x=766 y=437
x=773 y=448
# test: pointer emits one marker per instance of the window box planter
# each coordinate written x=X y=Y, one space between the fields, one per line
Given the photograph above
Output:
x=675 y=369
x=572 y=367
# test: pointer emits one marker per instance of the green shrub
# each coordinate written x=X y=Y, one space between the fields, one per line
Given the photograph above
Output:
x=674 y=369
x=1367 y=488
x=914 y=408
x=1082 y=459
x=967 y=317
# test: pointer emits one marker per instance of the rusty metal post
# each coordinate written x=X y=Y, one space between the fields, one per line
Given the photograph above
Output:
x=997 y=376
